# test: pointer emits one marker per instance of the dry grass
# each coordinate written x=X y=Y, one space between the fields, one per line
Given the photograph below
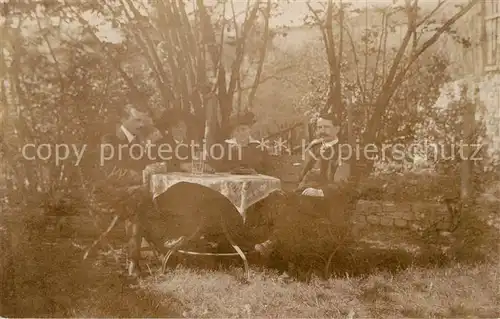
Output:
x=54 y=282
x=370 y=282
x=457 y=291
x=51 y=280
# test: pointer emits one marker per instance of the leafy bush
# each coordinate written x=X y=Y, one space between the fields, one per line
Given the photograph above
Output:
x=470 y=238
x=6 y=270
x=409 y=187
x=308 y=233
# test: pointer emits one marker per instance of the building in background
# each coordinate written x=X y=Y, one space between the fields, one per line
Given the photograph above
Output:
x=474 y=52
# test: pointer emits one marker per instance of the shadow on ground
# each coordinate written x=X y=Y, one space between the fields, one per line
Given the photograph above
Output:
x=359 y=259
x=50 y=279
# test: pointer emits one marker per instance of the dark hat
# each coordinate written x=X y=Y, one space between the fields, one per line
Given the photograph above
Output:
x=167 y=119
x=245 y=118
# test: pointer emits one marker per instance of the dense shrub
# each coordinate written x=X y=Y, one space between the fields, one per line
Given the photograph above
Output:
x=307 y=234
x=472 y=237
x=42 y=273
x=409 y=187
x=6 y=270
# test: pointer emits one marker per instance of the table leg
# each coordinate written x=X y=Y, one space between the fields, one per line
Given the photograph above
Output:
x=179 y=242
x=237 y=248
x=244 y=199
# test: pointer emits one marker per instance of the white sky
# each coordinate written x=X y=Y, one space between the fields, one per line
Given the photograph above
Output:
x=296 y=10
x=291 y=15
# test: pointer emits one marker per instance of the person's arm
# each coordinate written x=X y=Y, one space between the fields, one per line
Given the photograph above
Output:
x=309 y=162
x=308 y=165
x=220 y=159
x=121 y=177
x=310 y=152
x=268 y=166
x=172 y=154
x=331 y=188
x=183 y=156
x=342 y=175
x=259 y=159
x=117 y=171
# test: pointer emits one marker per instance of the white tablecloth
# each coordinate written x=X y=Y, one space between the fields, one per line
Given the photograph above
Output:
x=242 y=190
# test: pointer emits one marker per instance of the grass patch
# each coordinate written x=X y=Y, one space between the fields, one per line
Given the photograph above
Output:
x=457 y=291
x=48 y=278
x=54 y=282
x=51 y=280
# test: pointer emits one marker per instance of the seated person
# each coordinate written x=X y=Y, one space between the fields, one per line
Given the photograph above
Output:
x=117 y=145
x=118 y=182
x=321 y=180
x=241 y=152
x=324 y=168
x=175 y=134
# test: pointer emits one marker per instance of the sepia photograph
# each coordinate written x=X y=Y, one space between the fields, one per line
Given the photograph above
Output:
x=250 y=159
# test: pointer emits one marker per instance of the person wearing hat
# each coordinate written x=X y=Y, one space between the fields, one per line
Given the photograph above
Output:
x=242 y=153
x=174 y=129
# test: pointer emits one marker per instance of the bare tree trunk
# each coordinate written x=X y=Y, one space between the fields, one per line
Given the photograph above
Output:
x=350 y=134
x=210 y=133
x=469 y=128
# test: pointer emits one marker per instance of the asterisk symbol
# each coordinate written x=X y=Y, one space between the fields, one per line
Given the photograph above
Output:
x=263 y=144
x=281 y=144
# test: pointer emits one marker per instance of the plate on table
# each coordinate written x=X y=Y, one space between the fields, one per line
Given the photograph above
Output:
x=243 y=171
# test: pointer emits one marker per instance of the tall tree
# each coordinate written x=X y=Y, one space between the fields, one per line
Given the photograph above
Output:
x=381 y=65
x=68 y=66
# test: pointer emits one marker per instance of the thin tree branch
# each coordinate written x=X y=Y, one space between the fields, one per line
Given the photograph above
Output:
x=427 y=17
x=390 y=88
x=262 y=55
x=379 y=106
x=51 y=50
x=356 y=62
x=379 y=53
x=240 y=47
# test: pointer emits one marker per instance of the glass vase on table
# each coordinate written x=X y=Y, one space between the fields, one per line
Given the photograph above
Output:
x=198 y=162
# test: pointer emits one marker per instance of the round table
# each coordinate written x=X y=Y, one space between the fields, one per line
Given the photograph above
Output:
x=242 y=190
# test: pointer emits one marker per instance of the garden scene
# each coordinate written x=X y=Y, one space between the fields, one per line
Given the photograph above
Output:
x=401 y=221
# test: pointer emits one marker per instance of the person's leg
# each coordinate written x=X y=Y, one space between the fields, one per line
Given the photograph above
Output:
x=315 y=205
x=277 y=210
x=150 y=215
x=133 y=231
x=289 y=213
x=140 y=208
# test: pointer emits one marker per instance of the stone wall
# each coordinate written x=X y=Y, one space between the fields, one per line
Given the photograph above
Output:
x=401 y=215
